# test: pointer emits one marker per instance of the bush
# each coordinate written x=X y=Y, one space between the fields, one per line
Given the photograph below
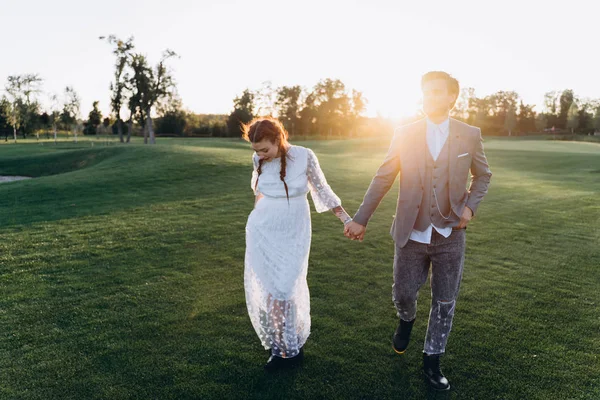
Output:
x=89 y=129
x=115 y=128
x=172 y=122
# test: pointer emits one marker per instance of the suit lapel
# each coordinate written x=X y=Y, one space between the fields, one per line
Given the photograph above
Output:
x=454 y=144
x=423 y=154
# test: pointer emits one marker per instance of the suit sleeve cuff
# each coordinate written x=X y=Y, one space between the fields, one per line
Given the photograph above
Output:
x=472 y=206
x=360 y=219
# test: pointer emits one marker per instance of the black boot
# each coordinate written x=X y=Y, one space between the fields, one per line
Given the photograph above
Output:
x=402 y=336
x=433 y=373
x=276 y=363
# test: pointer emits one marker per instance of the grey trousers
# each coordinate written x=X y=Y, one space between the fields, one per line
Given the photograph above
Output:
x=411 y=266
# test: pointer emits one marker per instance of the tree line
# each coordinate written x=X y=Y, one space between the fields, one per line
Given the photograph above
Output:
x=505 y=113
x=147 y=95
x=137 y=86
x=328 y=109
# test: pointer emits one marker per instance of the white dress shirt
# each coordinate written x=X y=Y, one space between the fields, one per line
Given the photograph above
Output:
x=436 y=138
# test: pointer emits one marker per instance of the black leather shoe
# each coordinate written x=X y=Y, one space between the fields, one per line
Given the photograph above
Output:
x=402 y=336
x=275 y=363
x=433 y=374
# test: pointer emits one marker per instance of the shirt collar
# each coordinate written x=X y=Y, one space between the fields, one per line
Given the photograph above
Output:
x=444 y=127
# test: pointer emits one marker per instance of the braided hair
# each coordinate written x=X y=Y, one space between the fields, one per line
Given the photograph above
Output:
x=268 y=128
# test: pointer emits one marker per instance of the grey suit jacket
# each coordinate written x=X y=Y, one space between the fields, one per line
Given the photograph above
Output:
x=407 y=156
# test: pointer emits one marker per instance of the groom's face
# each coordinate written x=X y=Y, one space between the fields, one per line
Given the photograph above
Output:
x=437 y=100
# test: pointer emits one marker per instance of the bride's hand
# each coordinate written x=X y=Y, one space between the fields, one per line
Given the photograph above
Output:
x=341 y=213
x=355 y=231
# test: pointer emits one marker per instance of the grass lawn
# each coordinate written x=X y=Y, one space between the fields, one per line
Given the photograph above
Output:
x=121 y=277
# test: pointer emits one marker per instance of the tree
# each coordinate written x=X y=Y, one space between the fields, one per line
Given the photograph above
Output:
x=172 y=118
x=265 y=99
x=31 y=117
x=133 y=105
x=66 y=119
x=5 y=109
x=596 y=119
x=586 y=115
x=551 y=107
x=94 y=120
x=359 y=103
x=472 y=102
x=462 y=109
x=172 y=122
x=219 y=128
x=308 y=114
x=526 y=118
x=573 y=117
x=123 y=52
x=501 y=103
x=541 y=122
x=23 y=111
x=243 y=112
x=55 y=115
x=71 y=111
x=482 y=113
x=105 y=125
x=152 y=86
x=45 y=120
x=13 y=116
x=551 y=102
x=510 y=120
x=288 y=107
x=332 y=105
x=139 y=83
x=566 y=101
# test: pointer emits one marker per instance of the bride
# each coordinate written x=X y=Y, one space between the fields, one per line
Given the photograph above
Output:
x=278 y=235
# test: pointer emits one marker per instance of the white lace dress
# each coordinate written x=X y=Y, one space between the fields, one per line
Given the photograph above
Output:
x=278 y=235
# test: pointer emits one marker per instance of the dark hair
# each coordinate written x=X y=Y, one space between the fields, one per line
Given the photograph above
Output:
x=261 y=128
x=451 y=82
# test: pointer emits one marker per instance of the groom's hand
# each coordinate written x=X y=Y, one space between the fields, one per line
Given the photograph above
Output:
x=355 y=231
x=465 y=218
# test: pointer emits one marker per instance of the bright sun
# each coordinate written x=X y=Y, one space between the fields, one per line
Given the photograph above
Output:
x=388 y=102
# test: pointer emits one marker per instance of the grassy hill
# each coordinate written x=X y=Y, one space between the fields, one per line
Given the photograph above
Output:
x=121 y=276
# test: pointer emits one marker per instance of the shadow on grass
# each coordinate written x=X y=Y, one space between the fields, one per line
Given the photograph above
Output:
x=119 y=180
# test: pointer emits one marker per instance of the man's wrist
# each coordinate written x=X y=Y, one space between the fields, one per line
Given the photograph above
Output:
x=470 y=209
x=360 y=220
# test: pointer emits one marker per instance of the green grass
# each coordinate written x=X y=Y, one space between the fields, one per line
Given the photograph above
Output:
x=121 y=276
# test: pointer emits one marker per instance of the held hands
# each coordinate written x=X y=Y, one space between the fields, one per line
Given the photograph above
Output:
x=354 y=231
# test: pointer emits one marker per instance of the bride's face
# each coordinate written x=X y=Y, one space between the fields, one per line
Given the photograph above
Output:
x=266 y=150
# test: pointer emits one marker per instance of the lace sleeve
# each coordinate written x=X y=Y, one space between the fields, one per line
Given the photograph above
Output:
x=323 y=197
x=254 y=174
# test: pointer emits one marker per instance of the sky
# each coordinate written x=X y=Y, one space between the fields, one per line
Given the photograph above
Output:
x=378 y=47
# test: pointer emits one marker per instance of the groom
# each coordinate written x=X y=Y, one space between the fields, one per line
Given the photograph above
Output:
x=433 y=156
